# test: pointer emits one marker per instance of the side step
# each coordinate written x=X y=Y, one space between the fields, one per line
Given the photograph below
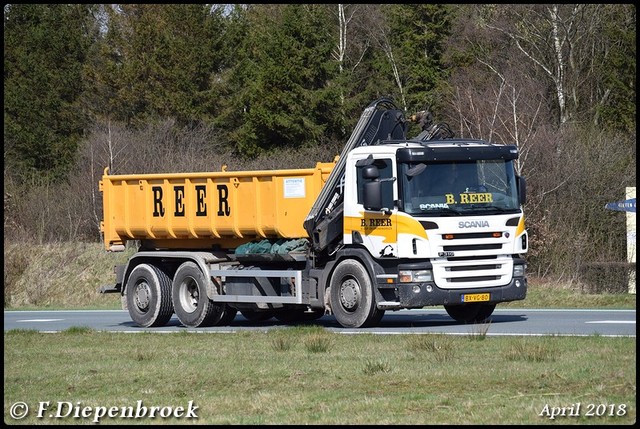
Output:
x=295 y=275
x=387 y=305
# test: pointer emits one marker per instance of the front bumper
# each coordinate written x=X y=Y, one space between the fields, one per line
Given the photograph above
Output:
x=411 y=297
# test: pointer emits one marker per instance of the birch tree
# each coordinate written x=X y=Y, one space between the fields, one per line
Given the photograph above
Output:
x=380 y=34
x=349 y=52
x=556 y=39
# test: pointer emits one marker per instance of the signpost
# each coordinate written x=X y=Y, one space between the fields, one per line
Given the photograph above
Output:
x=623 y=206
x=629 y=206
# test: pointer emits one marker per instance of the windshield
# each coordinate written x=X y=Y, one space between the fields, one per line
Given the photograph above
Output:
x=459 y=187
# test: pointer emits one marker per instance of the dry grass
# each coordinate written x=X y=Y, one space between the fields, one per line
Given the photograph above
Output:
x=59 y=275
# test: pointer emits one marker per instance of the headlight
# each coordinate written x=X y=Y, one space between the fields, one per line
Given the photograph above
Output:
x=420 y=276
x=518 y=271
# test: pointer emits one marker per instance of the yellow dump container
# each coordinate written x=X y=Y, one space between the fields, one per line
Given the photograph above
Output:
x=201 y=210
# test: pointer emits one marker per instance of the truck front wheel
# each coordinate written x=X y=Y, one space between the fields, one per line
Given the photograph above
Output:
x=190 y=301
x=352 y=296
x=470 y=313
x=148 y=295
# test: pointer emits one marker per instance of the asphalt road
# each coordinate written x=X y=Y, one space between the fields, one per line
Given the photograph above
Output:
x=570 y=322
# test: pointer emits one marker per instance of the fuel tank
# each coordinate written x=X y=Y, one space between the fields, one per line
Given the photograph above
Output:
x=204 y=210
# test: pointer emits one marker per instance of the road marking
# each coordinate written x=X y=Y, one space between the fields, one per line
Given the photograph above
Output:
x=39 y=320
x=612 y=321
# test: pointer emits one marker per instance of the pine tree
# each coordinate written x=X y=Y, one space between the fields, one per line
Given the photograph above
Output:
x=155 y=62
x=278 y=86
x=45 y=47
x=418 y=33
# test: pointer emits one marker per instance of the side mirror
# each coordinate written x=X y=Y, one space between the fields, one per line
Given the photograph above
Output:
x=378 y=195
x=370 y=172
x=416 y=170
x=372 y=197
x=522 y=189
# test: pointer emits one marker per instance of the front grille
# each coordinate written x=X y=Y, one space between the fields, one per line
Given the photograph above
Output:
x=472 y=258
x=474 y=267
x=473 y=272
x=472 y=247
x=474 y=279
x=469 y=235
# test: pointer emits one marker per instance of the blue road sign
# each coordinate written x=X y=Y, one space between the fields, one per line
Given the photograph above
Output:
x=622 y=206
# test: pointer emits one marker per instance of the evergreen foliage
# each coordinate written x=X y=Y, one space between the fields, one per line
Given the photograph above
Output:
x=45 y=47
x=154 y=62
x=419 y=31
x=278 y=84
x=615 y=67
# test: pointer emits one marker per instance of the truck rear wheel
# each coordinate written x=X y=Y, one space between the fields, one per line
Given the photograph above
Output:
x=148 y=295
x=190 y=301
x=352 y=297
x=257 y=315
x=470 y=313
x=229 y=313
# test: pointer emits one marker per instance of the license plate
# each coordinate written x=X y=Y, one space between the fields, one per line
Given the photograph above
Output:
x=475 y=297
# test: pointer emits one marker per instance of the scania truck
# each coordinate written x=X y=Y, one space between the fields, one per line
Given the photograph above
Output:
x=392 y=223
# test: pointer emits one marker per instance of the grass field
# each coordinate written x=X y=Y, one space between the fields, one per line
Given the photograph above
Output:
x=306 y=375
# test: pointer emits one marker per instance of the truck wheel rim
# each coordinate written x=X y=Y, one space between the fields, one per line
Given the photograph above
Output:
x=142 y=296
x=189 y=295
x=349 y=294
